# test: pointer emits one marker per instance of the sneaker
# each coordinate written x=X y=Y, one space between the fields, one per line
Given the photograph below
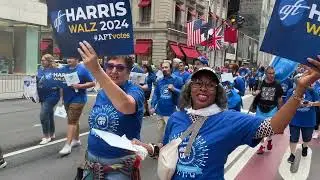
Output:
x=269 y=146
x=260 y=150
x=65 y=150
x=304 y=151
x=3 y=163
x=291 y=158
x=53 y=137
x=75 y=143
x=45 y=141
x=315 y=135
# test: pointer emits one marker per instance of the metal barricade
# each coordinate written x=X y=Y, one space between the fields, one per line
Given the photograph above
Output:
x=11 y=86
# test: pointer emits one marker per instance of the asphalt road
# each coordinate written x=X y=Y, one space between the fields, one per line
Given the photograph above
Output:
x=19 y=129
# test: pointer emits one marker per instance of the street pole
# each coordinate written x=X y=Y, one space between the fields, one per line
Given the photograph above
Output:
x=237 y=46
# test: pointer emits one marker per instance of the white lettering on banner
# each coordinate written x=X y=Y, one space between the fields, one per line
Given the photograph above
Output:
x=95 y=12
x=314 y=12
x=58 y=21
x=292 y=10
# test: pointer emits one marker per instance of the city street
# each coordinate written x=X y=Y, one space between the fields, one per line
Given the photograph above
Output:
x=20 y=133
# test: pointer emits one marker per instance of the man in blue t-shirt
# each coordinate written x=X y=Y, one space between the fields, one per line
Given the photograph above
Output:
x=182 y=73
x=166 y=94
x=75 y=98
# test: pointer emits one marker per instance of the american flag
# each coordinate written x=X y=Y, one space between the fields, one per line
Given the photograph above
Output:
x=194 y=32
x=216 y=41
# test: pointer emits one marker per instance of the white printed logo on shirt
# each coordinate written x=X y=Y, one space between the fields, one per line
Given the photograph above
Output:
x=191 y=166
x=105 y=118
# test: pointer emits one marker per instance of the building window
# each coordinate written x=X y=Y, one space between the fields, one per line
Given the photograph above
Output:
x=177 y=15
x=146 y=14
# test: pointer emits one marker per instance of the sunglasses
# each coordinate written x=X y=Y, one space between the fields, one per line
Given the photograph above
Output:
x=119 y=67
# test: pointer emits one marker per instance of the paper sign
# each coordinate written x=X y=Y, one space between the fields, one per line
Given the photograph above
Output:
x=115 y=140
x=30 y=88
x=293 y=31
x=105 y=24
x=138 y=78
x=227 y=77
x=72 y=78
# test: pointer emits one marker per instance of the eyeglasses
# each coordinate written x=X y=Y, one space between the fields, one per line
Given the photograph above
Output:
x=119 y=67
x=198 y=84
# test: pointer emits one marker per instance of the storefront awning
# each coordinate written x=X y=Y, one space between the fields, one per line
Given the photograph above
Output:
x=144 y=3
x=177 y=51
x=142 y=47
x=190 y=52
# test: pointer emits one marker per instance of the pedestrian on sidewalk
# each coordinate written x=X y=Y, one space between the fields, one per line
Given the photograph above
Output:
x=74 y=99
x=215 y=131
x=269 y=101
x=165 y=97
x=3 y=163
x=49 y=95
x=119 y=110
x=304 y=120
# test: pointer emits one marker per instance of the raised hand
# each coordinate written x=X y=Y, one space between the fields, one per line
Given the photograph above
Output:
x=89 y=56
x=311 y=75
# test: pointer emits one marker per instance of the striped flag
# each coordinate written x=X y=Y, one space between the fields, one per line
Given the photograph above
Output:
x=194 y=32
x=216 y=41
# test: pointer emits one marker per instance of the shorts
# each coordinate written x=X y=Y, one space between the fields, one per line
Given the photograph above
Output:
x=74 y=112
x=295 y=133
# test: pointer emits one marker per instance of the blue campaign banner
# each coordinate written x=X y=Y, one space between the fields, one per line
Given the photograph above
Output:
x=105 y=24
x=294 y=30
x=283 y=67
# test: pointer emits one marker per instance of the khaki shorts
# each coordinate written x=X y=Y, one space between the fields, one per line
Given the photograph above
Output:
x=74 y=112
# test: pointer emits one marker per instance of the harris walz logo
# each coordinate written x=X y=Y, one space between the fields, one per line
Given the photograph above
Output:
x=292 y=11
x=58 y=18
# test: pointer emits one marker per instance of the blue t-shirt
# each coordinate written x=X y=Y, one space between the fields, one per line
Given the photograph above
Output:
x=48 y=88
x=252 y=80
x=184 y=76
x=234 y=100
x=69 y=94
x=137 y=69
x=165 y=101
x=105 y=117
x=219 y=136
x=239 y=84
x=305 y=116
x=243 y=71
x=286 y=85
x=151 y=79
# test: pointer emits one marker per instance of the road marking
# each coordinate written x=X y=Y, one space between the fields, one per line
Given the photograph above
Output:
x=239 y=165
x=38 y=146
x=37 y=125
x=233 y=156
x=304 y=167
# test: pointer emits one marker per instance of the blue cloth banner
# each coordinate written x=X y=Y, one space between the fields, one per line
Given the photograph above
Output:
x=294 y=30
x=283 y=68
x=105 y=24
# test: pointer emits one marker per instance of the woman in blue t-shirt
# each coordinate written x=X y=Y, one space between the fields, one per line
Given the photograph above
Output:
x=147 y=87
x=304 y=120
x=49 y=95
x=203 y=100
x=118 y=110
